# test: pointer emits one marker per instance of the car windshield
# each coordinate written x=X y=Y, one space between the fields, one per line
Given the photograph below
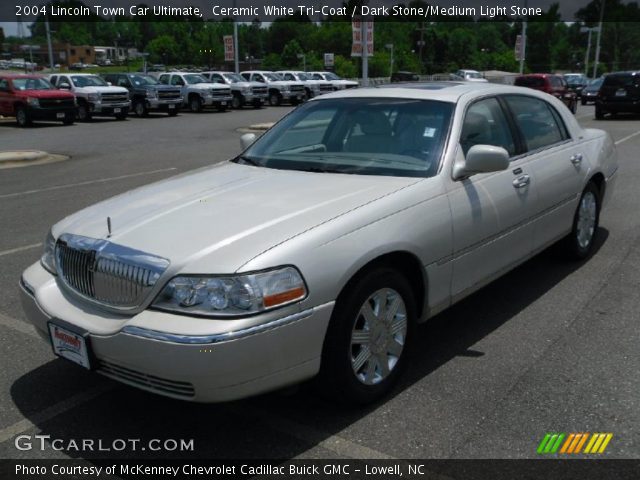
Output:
x=88 y=81
x=331 y=76
x=141 y=80
x=272 y=77
x=473 y=75
x=234 y=77
x=364 y=136
x=193 y=79
x=31 y=84
x=595 y=84
x=574 y=79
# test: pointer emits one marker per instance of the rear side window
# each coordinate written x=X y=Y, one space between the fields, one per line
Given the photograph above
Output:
x=621 y=81
x=164 y=79
x=538 y=121
x=531 y=82
x=486 y=124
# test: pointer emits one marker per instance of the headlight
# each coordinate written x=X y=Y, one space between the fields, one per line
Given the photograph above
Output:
x=48 y=259
x=93 y=97
x=234 y=295
x=33 y=102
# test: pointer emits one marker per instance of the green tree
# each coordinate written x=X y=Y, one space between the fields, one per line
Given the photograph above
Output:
x=163 y=49
x=290 y=54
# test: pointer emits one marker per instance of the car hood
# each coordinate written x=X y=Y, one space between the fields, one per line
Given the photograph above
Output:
x=102 y=90
x=45 y=93
x=216 y=219
x=208 y=86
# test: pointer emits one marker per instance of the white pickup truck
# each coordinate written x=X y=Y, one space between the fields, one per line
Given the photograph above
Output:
x=279 y=90
x=312 y=87
x=244 y=92
x=95 y=97
x=337 y=82
x=198 y=92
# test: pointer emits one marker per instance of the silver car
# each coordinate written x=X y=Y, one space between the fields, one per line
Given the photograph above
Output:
x=316 y=251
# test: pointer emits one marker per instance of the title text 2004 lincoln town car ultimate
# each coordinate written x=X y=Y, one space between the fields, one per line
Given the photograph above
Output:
x=318 y=249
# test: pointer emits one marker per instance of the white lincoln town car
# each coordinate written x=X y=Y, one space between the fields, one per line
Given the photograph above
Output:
x=316 y=251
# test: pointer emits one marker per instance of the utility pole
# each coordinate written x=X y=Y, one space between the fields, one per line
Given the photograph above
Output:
x=390 y=47
x=523 y=48
x=421 y=43
x=365 y=51
x=236 y=61
x=595 y=64
x=46 y=26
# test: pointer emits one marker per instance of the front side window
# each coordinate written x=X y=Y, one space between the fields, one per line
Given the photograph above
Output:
x=177 y=80
x=193 y=79
x=364 y=136
x=164 y=79
x=486 y=124
x=536 y=120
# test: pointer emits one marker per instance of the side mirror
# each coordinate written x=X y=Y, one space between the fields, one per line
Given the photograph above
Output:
x=64 y=86
x=481 y=159
x=247 y=139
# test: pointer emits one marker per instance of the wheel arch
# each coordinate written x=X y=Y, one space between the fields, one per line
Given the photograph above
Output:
x=403 y=261
x=599 y=181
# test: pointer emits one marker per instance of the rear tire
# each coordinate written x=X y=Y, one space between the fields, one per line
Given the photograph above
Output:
x=579 y=243
x=366 y=346
x=599 y=113
x=583 y=101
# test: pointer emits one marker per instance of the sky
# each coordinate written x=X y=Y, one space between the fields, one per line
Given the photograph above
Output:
x=8 y=9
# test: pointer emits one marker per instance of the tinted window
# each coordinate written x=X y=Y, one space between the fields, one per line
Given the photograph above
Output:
x=536 y=120
x=164 y=79
x=486 y=124
x=621 y=81
x=532 y=82
x=176 y=80
x=4 y=84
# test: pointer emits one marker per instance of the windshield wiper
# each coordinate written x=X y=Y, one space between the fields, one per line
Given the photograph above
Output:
x=324 y=170
x=247 y=161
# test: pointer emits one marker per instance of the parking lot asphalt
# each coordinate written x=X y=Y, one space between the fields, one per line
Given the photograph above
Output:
x=550 y=347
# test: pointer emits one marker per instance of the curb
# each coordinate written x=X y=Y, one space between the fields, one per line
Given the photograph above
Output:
x=24 y=158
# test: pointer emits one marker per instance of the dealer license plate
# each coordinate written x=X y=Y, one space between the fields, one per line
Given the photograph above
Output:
x=223 y=103
x=69 y=345
x=59 y=115
x=116 y=110
x=621 y=93
x=171 y=106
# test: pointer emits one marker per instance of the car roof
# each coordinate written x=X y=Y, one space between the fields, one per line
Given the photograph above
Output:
x=440 y=91
x=629 y=72
x=20 y=75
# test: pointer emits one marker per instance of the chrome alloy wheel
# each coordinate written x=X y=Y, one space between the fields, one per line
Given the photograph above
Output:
x=378 y=336
x=586 y=224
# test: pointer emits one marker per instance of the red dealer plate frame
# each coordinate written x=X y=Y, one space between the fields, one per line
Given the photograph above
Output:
x=71 y=343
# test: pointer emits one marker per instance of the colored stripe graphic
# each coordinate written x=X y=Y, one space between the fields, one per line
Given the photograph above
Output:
x=572 y=443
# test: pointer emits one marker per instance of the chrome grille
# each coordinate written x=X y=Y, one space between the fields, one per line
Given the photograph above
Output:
x=56 y=102
x=326 y=88
x=297 y=88
x=259 y=90
x=107 y=273
x=168 y=94
x=115 y=97
x=143 y=380
x=221 y=92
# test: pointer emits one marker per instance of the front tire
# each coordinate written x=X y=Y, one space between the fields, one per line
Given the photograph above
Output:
x=237 y=102
x=275 y=99
x=23 y=119
x=366 y=345
x=579 y=243
x=195 y=104
x=140 y=109
x=84 y=115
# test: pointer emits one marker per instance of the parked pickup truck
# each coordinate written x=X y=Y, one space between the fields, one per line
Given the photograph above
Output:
x=95 y=97
x=244 y=92
x=147 y=94
x=31 y=97
x=198 y=92
x=279 y=90
x=312 y=87
x=337 y=82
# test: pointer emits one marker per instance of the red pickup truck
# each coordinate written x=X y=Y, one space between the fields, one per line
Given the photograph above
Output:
x=31 y=97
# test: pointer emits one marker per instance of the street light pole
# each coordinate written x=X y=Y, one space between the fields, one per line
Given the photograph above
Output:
x=390 y=47
x=595 y=64
x=235 y=43
x=588 y=54
x=46 y=27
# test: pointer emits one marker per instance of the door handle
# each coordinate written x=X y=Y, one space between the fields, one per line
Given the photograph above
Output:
x=576 y=159
x=522 y=181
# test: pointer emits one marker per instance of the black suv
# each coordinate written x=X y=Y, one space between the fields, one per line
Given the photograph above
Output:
x=147 y=94
x=620 y=92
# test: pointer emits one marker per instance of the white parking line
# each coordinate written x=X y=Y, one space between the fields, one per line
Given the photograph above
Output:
x=20 y=249
x=53 y=411
x=628 y=137
x=89 y=182
x=17 y=325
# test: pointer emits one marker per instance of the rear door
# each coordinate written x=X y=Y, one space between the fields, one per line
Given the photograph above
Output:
x=556 y=163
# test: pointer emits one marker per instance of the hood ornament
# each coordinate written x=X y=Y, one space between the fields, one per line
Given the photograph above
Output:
x=109 y=226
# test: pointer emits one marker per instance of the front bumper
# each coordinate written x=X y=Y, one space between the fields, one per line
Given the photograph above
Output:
x=109 y=108
x=37 y=113
x=202 y=367
x=163 y=105
x=221 y=101
x=293 y=96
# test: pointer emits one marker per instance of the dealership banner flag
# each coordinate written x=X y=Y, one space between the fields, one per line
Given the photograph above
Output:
x=228 y=48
